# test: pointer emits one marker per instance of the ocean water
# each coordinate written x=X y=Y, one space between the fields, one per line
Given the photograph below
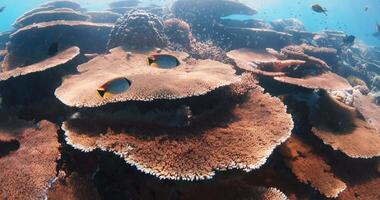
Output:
x=348 y=15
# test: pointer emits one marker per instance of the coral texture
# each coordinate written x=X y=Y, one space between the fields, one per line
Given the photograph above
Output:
x=137 y=29
x=28 y=172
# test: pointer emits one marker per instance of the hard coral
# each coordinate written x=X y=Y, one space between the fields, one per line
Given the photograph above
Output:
x=339 y=126
x=291 y=66
x=244 y=141
x=178 y=32
x=103 y=16
x=148 y=83
x=32 y=43
x=310 y=168
x=28 y=172
x=137 y=29
x=205 y=15
x=368 y=108
x=285 y=25
x=51 y=15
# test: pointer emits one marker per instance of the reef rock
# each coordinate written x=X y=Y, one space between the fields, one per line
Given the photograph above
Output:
x=136 y=30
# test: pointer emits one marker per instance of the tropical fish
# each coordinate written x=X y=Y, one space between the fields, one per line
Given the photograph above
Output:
x=318 y=8
x=53 y=49
x=113 y=87
x=2 y=9
x=349 y=39
x=163 y=61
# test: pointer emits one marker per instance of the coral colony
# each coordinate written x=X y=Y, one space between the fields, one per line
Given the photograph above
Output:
x=140 y=102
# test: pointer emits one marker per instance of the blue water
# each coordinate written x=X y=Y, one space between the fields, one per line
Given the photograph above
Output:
x=345 y=15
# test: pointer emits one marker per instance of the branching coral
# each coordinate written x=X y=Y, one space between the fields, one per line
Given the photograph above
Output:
x=137 y=29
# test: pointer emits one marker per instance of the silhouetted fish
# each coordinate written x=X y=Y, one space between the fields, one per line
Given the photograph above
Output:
x=366 y=9
x=53 y=49
x=114 y=86
x=163 y=61
x=349 y=40
x=317 y=8
x=2 y=9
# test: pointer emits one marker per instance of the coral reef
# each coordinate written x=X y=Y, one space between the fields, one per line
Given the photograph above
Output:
x=32 y=43
x=150 y=101
x=185 y=153
x=72 y=187
x=311 y=168
x=28 y=172
x=124 y=3
x=147 y=83
x=340 y=126
x=286 y=25
x=24 y=85
x=178 y=32
x=51 y=15
x=103 y=16
x=256 y=38
x=205 y=15
x=368 y=108
x=291 y=66
x=137 y=29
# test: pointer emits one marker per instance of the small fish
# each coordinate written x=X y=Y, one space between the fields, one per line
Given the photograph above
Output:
x=378 y=27
x=113 y=87
x=366 y=8
x=349 y=40
x=318 y=8
x=2 y=9
x=163 y=61
x=53 y=49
